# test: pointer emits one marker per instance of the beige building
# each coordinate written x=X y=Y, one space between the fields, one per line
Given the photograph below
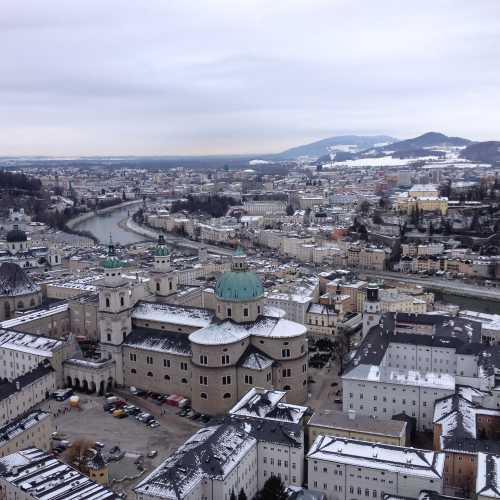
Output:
x=20 y=395
x=350 y=425
x=422 y=197
x=32 y=429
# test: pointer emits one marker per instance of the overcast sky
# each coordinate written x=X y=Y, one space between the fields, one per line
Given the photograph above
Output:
x=140 y=77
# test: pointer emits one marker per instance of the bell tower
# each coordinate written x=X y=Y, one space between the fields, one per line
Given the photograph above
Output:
x=163 y=280
x=115 y=310
x=372 y=311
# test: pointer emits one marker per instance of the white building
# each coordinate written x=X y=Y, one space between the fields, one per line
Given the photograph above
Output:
x=33 y=474
x=262 y=436
x=348 y=469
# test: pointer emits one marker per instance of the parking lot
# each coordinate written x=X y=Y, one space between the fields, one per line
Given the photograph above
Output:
x=134 y=438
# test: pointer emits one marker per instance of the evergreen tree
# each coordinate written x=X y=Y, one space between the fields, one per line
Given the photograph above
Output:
x=273 y=489
x=233 y=496
x=242 y=495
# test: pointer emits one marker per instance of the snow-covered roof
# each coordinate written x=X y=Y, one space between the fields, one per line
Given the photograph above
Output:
x=33 y=316
x=175 y=314
x=488 y=476
x=39 y=475
x=28 y=343
x=20 y=425
x=408 y=461
x=386 y=374
x=268 y=404
x=228 y=332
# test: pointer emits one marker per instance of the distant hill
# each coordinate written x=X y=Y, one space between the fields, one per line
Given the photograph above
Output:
x=486 y=152
x=343 y=143
x=428 y=140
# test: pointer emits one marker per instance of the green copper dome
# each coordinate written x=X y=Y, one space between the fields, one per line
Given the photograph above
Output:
x=239 y=286
x=112 y=262
x=161 y=250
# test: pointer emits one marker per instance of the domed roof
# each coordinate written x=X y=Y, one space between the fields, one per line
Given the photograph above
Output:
x=239 y=286
x=112 y=261
x=14 y=281
x=160 y=250
x=15 y=235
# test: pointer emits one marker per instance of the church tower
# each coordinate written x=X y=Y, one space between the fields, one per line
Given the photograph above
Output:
x=163 y=280
x=115 y=310
x=371 y=311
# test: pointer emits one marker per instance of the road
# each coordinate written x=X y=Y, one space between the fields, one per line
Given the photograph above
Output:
x=177 y=240
x=455 y=287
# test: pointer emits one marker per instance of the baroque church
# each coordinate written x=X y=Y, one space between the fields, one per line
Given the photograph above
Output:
x=211 y=355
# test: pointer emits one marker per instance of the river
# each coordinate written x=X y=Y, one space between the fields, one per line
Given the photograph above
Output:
x=102 y=225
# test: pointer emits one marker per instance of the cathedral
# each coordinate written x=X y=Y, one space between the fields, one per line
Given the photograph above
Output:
x=212 y=356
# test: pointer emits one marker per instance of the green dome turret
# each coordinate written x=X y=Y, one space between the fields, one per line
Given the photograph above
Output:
x=112 y=261
x=239 y=284
x=161 y=249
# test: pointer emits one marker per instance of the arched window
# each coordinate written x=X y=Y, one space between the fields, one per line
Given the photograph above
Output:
x=184 y=381
x=133 y=370
x=203 y=395
x=167 y=377
x=287 y=388
x=170 y=285
x=20 y=305
x=150 y=374
x=227 y=395
x=107 y=302
x=122 y=301
x=157 y=286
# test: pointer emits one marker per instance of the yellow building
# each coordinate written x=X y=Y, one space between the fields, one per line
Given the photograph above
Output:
x=423 y=197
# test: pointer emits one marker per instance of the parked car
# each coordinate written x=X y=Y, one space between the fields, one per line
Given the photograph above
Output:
x=205 y=419
x=152 y=453
x=153 y=424
x=120 y=413
x=182 y=413
x=63 y=394
x=195 y=416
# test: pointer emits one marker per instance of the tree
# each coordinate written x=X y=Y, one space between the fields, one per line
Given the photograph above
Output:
x=273 y=489
x=233 y=496
x=242 y=495
x=364 y=207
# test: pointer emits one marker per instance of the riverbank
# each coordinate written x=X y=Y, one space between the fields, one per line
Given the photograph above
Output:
x=94 y=213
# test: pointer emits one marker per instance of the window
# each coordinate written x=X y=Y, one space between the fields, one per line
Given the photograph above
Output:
x=226 y=380
x=109 y=337
x=122 y=301
x=245 y=312
x=184 y=381
x=184 y=366
x=248 y=379
x=149 y=360
x=285 y=353
x=286 y=372
x=225 y=359
x=107 y=302
x=203 y=380
x=167 y=377
x=203 y=359
x=227 y=395
x=150 y=374
x=157 y=286
x=133 y=370
x=133 y=357
x=229 y=312
x=166 y=363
